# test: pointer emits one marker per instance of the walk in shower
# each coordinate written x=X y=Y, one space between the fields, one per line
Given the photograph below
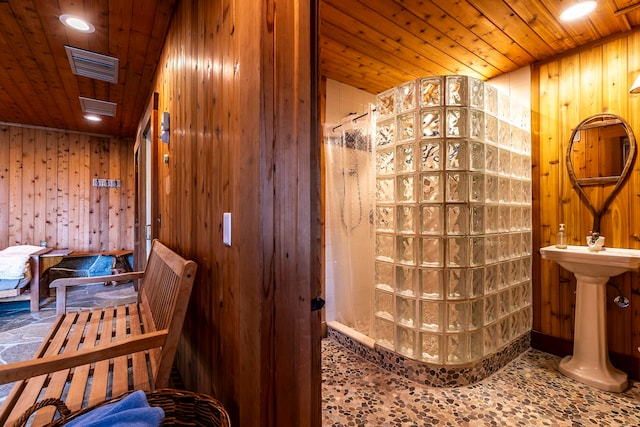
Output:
x=452 y=225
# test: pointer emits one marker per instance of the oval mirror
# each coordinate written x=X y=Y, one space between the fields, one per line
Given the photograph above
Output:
x=599 y=161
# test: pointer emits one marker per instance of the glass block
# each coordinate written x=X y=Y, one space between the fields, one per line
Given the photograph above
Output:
x=516 y=297
x=406 y=253
x=525 y=268
x=406 y=219
x=406 y=311
x=476 y=320
x=515 y=245
x=385 y=190
x=504 y=189
x=386 y=103
x=477 y=219
x=431 y=121
x=457 y=284
x=384 y=332
x=385 y=218
x=517 y=139
x=504 y=134
x=515 y=326
x=526 y=168
x=491 y=273
x=476 y=124
x=491 y=99
x=503 y=246
x=477 y=251
x=406 y=129
x=385 y=133
x=490 y=308
x=516 y=165
x=406 y=281
x=431 y=188
x=491 y=128
x=491 y=338
x=457 y=90
x=457 y=252
x=515 y=272
x=457 y=313
x=385 y=162
x=431 y=347
x=476 y=156
x=516 y=219
x=504 y=303
x=504 y=219
x=504 y=162
x=476 y=281
x=527 y=146
x=476 y=93
x=457 y=219
x=456 y=123
x=504 y=278
x=476 y=188
x=431 y=315
x=526 y=192
x=516 y=191
x=526 y=295
x=384 y=247
x=430 y=155
x=491 y=249
x=383 y=304
x=457 y=348
x=431 y=219
x=431 y=283
x=456 y=187
x=476 y=346
x=491 y=219
x=526 y=244
x=406 y=158
x=456 y=155
x=491 y=189
x=431 y=252
x=384 y=276
x=406 y=189
x=526 y=218
x=405 y=341
x=504 y=108
x=491 y=158
x=430 y=92
x=406 y=96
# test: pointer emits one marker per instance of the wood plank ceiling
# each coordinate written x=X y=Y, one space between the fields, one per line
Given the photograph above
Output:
x=369 y=44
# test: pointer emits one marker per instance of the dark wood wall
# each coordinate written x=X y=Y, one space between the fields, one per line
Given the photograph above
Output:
x=565 y=91
x=235 y=77
x=46 y=191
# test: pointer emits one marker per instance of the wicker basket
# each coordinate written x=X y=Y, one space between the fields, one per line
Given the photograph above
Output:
x=181 y=408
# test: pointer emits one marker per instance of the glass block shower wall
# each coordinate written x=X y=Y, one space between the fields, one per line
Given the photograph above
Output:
x=453 y=220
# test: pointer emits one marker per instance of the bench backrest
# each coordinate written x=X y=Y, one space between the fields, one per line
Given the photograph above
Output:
x=163 y=297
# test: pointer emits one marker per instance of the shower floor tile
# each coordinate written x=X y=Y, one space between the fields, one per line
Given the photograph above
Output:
x=529 y=391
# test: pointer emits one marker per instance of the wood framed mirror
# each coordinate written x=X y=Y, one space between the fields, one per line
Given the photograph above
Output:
x=599 y=160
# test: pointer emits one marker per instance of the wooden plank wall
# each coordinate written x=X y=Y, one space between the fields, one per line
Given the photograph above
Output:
x=46 y=192
x=236 y=82
x=564 y=92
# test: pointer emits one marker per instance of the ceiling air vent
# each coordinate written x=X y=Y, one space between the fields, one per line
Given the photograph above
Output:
x=95 y=106
x=93 y=65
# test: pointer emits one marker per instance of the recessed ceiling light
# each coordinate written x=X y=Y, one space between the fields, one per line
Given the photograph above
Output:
x=93 y=118
x=578 y=10
x=77 y=23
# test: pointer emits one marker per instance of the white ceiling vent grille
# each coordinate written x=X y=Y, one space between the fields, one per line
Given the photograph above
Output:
x=95 y=106
x=93 y=65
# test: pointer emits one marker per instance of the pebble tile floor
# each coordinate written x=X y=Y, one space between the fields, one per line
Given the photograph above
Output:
x=529 y=391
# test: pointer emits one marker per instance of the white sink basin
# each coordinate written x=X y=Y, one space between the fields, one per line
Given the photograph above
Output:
x=590 y=363
x=606 y=263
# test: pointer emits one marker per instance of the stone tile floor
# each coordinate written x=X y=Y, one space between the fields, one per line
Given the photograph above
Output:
x=529 y=391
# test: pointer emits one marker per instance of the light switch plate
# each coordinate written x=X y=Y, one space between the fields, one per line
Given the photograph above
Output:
x=226 y=228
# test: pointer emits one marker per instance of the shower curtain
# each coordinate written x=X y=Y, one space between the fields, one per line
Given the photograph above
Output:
x=349 y=238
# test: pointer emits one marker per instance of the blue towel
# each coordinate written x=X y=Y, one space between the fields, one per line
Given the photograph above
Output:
x=132 y=411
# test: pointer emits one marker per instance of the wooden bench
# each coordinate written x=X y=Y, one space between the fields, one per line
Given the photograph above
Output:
x=92 y=356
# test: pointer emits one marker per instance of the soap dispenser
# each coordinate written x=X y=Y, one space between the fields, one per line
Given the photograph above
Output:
x=561 y=239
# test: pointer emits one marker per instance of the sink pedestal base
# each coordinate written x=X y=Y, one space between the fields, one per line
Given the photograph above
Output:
x=590 y=363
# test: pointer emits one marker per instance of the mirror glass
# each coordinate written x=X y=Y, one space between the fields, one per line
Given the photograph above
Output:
x=599 y=160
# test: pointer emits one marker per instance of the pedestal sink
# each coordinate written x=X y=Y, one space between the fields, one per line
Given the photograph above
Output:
x=590 y=363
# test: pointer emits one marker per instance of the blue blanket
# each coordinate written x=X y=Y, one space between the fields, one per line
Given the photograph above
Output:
x=132 y=411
